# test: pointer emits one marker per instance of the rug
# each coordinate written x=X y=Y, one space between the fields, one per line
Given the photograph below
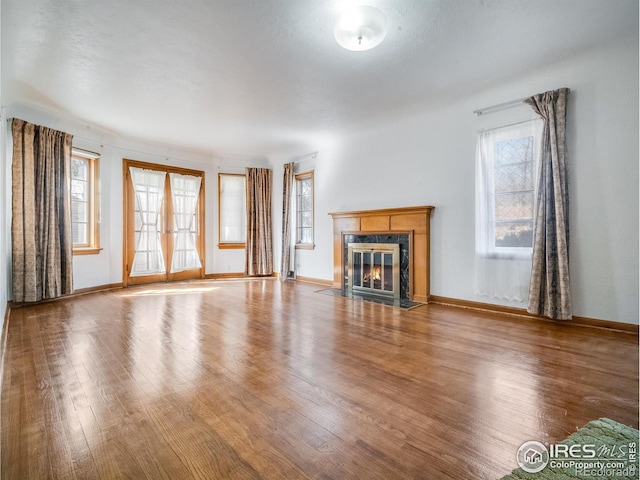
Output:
x=602 y=449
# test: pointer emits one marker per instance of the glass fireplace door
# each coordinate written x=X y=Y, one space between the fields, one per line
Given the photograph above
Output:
x=374 y=269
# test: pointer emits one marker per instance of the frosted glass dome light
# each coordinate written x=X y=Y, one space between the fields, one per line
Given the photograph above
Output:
x=361 y=28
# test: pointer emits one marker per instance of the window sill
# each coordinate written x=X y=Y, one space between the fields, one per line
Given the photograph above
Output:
x=231 y=246
x=305 y=246
x=87 y=251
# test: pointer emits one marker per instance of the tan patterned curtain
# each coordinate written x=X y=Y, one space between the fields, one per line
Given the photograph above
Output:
x=549 y=292
x=41 y=237
x=287 y=199
x=259 y=250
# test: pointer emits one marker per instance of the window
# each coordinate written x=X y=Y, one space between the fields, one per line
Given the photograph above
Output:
x=507 y=160
x=85 y=202
x=232 y=210
x=304 y=210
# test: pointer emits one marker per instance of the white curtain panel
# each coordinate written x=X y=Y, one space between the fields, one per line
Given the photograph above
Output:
x=149 y=190
x=185 y=190
x=500 y=272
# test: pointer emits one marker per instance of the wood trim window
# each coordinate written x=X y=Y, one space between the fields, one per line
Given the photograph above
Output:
x=85 y=202
x=232 y=210
x=304 y=210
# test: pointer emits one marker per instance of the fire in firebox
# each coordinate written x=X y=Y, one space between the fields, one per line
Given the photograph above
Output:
x=375 y=275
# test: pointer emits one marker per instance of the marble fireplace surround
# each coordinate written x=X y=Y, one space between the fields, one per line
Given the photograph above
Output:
x=412 y=224
x=401 y=239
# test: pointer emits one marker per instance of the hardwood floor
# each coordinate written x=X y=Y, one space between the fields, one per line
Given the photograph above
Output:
x=259 y=379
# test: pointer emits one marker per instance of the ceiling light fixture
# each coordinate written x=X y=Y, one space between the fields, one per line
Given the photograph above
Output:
x=361 y=28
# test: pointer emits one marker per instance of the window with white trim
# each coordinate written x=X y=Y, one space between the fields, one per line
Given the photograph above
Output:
x=506 y=169
x=85 y=202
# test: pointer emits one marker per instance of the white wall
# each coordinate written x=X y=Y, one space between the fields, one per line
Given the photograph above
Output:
x=228 y=260
x=5 y=212
x=106 y=267
x=304 y=259
x=426 y=157
x=5 y=206
x=421 y=157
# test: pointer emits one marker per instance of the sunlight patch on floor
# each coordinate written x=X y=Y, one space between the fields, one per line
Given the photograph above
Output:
x=169 y=291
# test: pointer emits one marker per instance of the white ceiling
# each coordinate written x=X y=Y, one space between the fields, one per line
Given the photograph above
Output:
x=258 y=76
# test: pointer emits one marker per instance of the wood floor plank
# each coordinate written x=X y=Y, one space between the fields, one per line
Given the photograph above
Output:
x=203 y=452
x=266 y=379
x=102 y=449
x=241 y=435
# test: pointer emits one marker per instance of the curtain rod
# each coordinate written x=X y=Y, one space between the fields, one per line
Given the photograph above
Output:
x=484 y=130
x=308 y=155
x=130 y=150
x=499 y=106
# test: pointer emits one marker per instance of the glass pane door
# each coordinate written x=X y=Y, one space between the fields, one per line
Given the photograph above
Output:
x=185 y=190
x=163 y=223
x=148 y=186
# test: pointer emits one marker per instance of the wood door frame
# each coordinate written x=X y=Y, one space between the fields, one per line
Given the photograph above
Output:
x=126 y=221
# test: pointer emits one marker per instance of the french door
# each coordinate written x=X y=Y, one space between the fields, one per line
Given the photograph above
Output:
x=163 y=223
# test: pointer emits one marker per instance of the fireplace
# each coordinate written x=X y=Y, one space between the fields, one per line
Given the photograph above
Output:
x=374 y=269
x=407 y=226
x=384 y=244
